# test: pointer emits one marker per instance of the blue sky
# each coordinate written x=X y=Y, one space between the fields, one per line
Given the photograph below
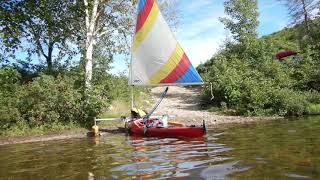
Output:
x=200 y=33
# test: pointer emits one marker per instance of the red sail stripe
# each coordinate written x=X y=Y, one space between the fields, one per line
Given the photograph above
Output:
x=144 y=13
x=178 y=71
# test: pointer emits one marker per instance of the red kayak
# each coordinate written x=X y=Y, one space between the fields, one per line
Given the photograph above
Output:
x=136 y=128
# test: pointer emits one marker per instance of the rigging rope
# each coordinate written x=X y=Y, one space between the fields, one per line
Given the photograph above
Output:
x=211 y=91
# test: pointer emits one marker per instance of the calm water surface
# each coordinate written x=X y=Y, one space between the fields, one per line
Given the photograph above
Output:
x=285 y=149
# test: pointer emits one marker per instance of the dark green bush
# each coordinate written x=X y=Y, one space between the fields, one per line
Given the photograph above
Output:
x=48 y=100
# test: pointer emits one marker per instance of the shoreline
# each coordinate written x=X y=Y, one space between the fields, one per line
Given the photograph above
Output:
x=181 y=102
x=84 y=133
x=50 y=136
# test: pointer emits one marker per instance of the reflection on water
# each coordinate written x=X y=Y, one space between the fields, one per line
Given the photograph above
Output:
x=285 y=149
x=164 y=158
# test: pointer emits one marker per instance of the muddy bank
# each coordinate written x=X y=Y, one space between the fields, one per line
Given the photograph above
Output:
x=73 y=133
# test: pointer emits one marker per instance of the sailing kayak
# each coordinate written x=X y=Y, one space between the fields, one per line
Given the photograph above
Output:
x=136 y=128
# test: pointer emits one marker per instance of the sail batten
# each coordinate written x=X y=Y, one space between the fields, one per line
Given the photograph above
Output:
x=157 y=57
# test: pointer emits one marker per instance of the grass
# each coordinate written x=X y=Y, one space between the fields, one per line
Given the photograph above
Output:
x=120 y=108
x=23 y=129
x=115 y=123
x=117 y=109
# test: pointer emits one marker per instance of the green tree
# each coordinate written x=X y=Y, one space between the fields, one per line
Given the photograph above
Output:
x=243 y=19
x=42 y=27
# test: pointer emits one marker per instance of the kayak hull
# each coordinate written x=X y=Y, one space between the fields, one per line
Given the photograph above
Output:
x=136 y=128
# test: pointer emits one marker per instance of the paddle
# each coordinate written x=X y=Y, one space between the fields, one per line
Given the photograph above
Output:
x=145 y=121
x=146 y=117
x=204 y=126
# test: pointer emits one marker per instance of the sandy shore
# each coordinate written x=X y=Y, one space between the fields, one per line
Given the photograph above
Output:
x=184 y=103
x=181 y=102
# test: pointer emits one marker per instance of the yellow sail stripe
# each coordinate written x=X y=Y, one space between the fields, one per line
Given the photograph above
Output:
x=143 y=32
x=167 y=68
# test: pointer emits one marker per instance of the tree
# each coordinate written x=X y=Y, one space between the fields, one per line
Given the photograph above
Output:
x=301 y=11
x=105 y=22
x=243 y=21
x=41 y=27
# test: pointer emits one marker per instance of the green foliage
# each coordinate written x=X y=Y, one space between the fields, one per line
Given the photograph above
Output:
x=246 y=76
x=313 y=109
x=9 y=90
x=48 y=99
x=243 y=21
x=47 y=102
x=23 y=129
x=260 y=86
x=42 y=28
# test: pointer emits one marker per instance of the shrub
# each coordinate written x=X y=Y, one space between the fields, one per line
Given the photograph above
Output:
x=258 y=85
x=52 y=102
x=9 y=90
x=48 y=100
x=313 y=109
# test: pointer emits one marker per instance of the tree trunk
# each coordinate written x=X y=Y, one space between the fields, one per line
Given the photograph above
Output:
x=306 y=18
x=89 y=53
x=90 y=39
x=49 y=57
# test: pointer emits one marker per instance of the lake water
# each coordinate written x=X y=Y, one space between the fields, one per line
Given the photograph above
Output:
x=281 y=149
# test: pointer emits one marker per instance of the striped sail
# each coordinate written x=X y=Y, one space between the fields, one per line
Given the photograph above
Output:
x=156 y=56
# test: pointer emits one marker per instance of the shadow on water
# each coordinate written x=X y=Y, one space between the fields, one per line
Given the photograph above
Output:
x=282 y=149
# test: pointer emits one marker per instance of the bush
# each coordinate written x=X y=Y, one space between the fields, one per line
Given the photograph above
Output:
x=253 y=83
x=54 y=102
x=289 y=102
x=9 y=90
x=313 y=109
x=48 y=100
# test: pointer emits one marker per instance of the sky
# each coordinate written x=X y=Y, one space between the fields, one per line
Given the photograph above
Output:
x=200 y=32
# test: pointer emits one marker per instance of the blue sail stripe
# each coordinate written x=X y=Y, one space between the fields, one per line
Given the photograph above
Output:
x=141 y=5
x=190 y=76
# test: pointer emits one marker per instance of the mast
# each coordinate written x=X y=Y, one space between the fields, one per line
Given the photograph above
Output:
x=132 y=97
x=130 y=73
